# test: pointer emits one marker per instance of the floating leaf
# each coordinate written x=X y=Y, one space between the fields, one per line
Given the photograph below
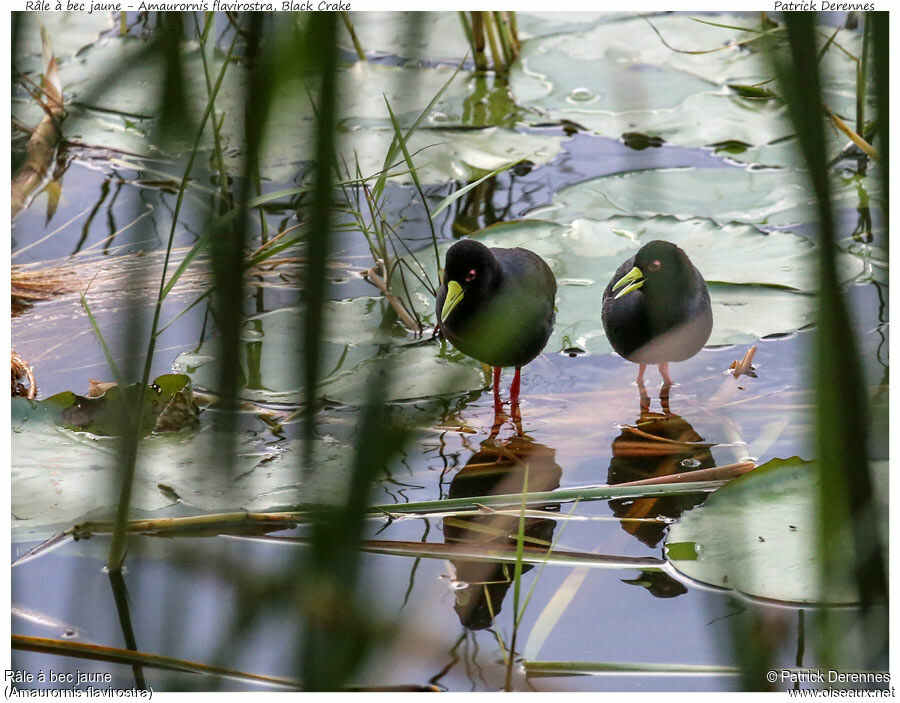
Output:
x=62 y=477
x=123 y=118
x=440 y=38
x=168 y=407
x=69 y=31
x=679 y=92
x=759 y=535
x=764 y=197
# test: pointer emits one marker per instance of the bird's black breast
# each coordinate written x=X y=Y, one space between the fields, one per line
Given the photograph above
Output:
x=625 y=320
x=510 y=325
x=656 y=324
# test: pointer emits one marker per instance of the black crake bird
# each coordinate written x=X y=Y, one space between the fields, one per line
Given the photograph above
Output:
x=496 y=305
x=656 y=308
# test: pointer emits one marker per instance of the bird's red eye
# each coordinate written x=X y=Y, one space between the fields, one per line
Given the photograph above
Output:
x=471 y=275
x=655 y=265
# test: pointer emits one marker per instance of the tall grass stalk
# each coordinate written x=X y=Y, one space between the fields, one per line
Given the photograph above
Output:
x=499 y=31
x=357 y=46
x=501 y=19
x=862 y=77
x=481 y=62
x=130 y=437
x=880 y=39
x=207 y=52
x=228 y=243
x=845 y=498
x=496 y=55
x=321 y=31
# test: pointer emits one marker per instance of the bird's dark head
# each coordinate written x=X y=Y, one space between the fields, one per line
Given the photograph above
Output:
x=660 y=269
x=470 y=273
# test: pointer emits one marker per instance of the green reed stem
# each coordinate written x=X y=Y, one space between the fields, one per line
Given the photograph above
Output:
x=360 y=52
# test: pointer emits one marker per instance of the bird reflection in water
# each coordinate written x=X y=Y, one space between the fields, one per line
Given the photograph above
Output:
x=498 y=468
x=658 y=444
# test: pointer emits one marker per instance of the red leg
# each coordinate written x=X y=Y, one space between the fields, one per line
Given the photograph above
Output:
x=514 y=401
x=498 y=407
x=514 y=389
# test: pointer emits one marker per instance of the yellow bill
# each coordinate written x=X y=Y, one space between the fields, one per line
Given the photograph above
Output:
x=632 y=280
x=454 y=295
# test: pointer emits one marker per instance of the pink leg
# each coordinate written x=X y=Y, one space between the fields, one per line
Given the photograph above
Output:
x=498 y=407
x=664 y=371
x=640 y=378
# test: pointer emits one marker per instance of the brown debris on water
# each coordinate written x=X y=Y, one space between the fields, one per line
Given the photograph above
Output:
x=30 y=285
x=744 y=367
x=41 y=148
x=23 y=383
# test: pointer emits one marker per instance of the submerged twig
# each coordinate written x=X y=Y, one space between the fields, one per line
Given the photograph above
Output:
x=680 y=444
x=715 y=473
x=853 y=136
x=42 y=143
x=373 y=277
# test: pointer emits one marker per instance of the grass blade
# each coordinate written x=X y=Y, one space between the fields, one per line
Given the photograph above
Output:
x=401 y=140
x=392 y=150
x=491 y=553
x=95 y=652
x=566 y=668
x=453 y=197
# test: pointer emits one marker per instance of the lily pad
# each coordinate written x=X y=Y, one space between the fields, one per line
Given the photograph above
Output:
x=770 y=197
x=62 y=477
x=354 y=341
x=441 y=36
x=751 y=297
x=544 y=23
x=759 y=535
x=69 y=32
x=434 y=36
x=638 y=83
x=439 y=154
x=124 y=118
